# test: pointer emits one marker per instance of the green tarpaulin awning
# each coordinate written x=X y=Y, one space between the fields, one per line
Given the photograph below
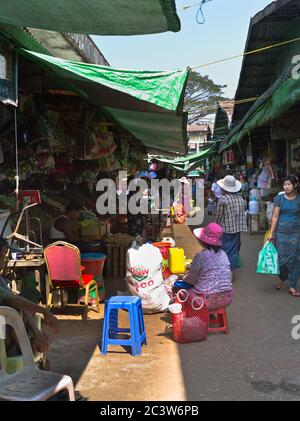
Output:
x=275 y=102
x=98 y=17
x=195 y=173
x=189 y=162
x=148 y=104
x=199 y=156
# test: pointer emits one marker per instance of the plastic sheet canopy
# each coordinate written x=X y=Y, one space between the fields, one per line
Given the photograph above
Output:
x=98 y=17
x=189 y=162
x=149 y=104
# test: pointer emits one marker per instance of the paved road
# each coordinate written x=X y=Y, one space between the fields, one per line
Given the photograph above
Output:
x=258 y=360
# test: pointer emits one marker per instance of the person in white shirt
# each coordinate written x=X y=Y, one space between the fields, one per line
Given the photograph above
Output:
x=66 y=227
x=216 y=190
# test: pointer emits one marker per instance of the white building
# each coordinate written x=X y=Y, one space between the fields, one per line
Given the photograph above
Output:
x=198 y=136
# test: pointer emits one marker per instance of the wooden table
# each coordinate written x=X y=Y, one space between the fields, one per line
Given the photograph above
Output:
x=38 y=264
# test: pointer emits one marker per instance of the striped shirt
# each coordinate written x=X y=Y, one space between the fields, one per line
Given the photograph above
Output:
x=210 y=272
x=231 y=213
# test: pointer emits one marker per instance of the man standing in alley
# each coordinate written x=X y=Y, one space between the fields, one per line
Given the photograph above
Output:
x=231 y=216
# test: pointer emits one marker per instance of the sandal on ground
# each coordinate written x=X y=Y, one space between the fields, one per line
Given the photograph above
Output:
x=294 y=293
x=278 y=286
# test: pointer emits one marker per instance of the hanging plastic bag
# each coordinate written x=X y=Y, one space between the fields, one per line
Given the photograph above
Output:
x=268 y=260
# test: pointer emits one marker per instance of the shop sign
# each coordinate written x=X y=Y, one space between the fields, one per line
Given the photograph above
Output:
x=228 y=157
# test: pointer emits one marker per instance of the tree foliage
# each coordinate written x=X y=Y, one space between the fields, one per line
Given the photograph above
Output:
x=202 y=96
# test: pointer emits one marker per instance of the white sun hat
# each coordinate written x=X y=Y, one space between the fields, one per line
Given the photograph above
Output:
x=230 y=184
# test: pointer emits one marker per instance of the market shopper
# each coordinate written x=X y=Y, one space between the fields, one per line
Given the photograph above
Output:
x=39 y=341
x=66 y=226
x=231 y=216
x=285 y=231
x=210 y=270
x=216 y=190
x=245 y=189
x=182 y=202
x=136 y=221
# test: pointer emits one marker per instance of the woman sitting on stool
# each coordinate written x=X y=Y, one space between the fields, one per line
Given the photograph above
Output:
x=210 y=274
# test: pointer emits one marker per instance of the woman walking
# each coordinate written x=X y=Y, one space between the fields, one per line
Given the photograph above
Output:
x=285 y=231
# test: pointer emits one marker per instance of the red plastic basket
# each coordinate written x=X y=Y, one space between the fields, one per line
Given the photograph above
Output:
x=191 y=325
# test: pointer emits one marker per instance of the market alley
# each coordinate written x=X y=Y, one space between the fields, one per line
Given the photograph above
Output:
x=255 y=361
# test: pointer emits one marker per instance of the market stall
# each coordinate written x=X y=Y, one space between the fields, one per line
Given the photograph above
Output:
x=78 y=124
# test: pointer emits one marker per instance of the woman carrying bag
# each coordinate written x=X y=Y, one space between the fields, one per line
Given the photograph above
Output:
x=285 y=231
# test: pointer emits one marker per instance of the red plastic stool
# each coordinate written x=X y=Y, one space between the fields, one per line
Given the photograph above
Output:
x=221 y=321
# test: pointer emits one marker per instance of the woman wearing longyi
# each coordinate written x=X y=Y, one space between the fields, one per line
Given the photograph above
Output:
x=285 y=231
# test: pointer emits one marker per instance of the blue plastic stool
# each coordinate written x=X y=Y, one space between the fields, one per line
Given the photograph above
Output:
x=136 y=319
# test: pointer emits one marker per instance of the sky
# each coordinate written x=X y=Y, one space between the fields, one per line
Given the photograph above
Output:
x=222 y=35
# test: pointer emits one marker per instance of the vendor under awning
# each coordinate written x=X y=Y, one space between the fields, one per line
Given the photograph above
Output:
x=66 y=227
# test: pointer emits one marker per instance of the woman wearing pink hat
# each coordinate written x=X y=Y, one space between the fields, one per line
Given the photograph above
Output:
x=210 y=272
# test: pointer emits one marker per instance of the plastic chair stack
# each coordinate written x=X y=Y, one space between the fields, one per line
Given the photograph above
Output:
x=111 y=330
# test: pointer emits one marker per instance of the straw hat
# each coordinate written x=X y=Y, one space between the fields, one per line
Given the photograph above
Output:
x=230 y=184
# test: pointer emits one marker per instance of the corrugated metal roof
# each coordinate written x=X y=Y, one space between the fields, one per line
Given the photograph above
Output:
x=258 y=73
x=76 y=47
x=20 y=37
x=266 y=96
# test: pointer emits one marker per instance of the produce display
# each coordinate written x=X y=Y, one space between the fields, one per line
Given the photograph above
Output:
x=118 y=239
x=103 y=142
x=64 y=149
x=86 y=217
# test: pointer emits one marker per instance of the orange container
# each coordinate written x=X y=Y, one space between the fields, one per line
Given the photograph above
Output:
x=93 y=263
x=164 y=249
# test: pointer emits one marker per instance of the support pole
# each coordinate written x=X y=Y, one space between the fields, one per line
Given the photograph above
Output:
x=17 y=161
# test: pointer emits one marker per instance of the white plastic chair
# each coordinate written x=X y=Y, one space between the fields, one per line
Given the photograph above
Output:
x=15 y=363
x=29 y=383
